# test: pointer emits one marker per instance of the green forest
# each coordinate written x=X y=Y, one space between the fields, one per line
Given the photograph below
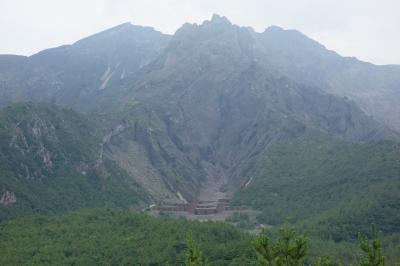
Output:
x=121 y=237
x=330 y=189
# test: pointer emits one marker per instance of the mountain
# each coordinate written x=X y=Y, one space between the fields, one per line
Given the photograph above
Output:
x=50 y=161
x=88 y=73
x=376 y=89
x=211 y=108
x=272 y=119
x=77 y=75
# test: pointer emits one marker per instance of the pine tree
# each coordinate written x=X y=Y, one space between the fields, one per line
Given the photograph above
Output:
x=193 y=254
x=372 y=249
x=286 y=251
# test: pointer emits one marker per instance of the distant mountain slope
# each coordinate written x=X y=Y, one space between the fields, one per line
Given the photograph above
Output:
x=76 y=75
x=49 y=162
x=87 y=74
x=376 y=89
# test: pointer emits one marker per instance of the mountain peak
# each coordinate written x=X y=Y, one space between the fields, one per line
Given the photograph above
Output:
x=220 y=19
x=123 y=25
x=216 y=24
x=274 y=28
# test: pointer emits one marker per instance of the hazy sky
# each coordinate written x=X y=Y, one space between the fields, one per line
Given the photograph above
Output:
x=366 y=29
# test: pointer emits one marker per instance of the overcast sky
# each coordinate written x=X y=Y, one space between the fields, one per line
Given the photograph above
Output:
x=366 y=29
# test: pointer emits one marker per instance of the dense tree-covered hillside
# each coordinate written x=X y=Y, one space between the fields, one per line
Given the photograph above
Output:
x=333 y=188
x=115 y=237
x=118 y=237
x=50 y=161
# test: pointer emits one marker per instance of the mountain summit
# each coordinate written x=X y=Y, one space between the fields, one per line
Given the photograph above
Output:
x=220 y=19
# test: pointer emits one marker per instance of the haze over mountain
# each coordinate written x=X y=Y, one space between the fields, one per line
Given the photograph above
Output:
x=131 y=116
x=76 y=75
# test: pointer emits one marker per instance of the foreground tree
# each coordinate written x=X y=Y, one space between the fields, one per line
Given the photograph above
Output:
x=372 y=249
x=193 y=256
x=286 y=251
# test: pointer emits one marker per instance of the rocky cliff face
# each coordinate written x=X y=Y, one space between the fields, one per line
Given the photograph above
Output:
x=8 y=198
